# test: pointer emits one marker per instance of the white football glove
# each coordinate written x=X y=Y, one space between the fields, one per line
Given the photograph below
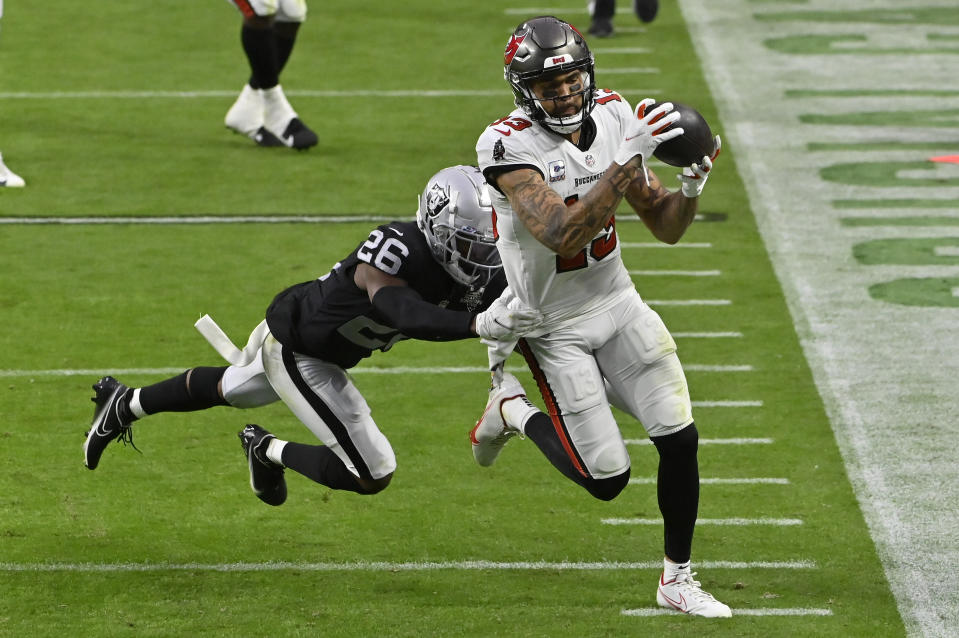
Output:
x=506 y=320
x=694 y=177
x=643 y=134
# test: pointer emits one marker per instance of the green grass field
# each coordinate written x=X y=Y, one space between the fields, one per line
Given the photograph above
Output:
x=119 y=113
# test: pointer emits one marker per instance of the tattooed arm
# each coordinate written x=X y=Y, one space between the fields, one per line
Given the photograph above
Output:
x=666 y=214
x=561 y=228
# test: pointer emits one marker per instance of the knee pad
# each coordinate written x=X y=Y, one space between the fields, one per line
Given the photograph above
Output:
x=686 y=441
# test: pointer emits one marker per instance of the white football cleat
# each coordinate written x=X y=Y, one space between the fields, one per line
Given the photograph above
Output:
x=8 y=178
x=684 y=594
x=492 y=432
x=246 y=114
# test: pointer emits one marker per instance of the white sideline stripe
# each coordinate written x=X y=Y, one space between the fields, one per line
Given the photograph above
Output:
x=688 y=302
x=738 y=522
x=955 y=292
x=652 y=244
x=92 y=372
x=732 y=441
x=376 y=566
x=707 y=335
x=651 y=480
x=769 y=611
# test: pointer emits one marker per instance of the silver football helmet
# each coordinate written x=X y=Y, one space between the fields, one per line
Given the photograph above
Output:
x=456 y=216
x=542 y=46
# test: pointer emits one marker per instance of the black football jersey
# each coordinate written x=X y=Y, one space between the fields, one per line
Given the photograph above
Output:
x=332 y=319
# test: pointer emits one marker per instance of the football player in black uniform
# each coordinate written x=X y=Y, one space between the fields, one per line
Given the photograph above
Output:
x=425 y=279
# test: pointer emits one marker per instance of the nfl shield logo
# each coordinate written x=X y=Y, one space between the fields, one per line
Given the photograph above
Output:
x=590 y=161
x=557 y=171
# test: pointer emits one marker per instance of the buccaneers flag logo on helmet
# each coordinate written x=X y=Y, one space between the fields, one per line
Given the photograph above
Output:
x=513 y=46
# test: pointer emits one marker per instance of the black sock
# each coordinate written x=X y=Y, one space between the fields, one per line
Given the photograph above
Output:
x=260 y=48
x=677 y=488
x=284 y=37
x=320 y=464
x=604 y=9
x=539 y=428
x=175 y=395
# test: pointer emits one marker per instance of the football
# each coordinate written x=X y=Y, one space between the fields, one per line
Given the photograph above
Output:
x=690 y=147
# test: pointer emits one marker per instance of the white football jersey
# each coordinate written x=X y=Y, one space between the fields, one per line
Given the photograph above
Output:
x=594 y=280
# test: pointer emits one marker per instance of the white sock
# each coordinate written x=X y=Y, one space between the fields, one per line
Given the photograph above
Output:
x=672 y=569
x=517 y=412
x=274 y=451
x=278 y=110
x=135 y=406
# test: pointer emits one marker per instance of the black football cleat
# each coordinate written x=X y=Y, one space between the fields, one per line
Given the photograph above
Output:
x=264 y=138
x=601 y=27
x=108 y=424
x=266 y=477
x=298 y=135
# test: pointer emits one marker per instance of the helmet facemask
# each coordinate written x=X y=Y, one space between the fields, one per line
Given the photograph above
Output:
x=526 y=99
x=456 y=216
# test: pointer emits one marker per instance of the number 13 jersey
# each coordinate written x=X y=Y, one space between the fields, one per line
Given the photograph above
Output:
x=595 y=279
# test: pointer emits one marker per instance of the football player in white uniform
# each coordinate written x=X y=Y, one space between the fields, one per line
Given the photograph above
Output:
x=425 y=279
x=558 y=167
x=262 y=112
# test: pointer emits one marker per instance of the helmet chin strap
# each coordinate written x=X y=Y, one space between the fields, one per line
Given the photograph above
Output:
x=557 y=125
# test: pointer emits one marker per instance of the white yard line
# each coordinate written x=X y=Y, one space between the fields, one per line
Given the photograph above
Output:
x=651 y=480
x=676 y=273
x=93 y=372
x=688 y=302
x=197 y=219
x=560 y=11
x=727 y=404
x=246 y=219
x=140 y=95
x=620 y=50
x=769 y=611
x=731 y=441
x=736 y=522
x=629 y=70
x=654 y=244
x=383 y=566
